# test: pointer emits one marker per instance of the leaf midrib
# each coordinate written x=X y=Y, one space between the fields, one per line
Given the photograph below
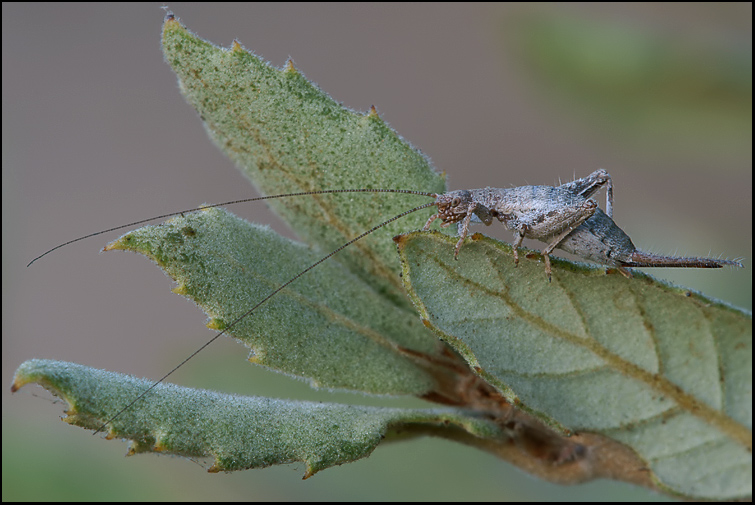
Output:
x=661 y=384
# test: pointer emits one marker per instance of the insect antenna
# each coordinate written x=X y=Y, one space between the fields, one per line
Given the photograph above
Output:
x=282 y=286
x=232 y=202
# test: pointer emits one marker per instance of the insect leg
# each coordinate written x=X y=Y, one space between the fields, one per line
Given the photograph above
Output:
x=464 y=229
x=583 y=214
x=586 y=186
x=517 y=243
x=430 y=221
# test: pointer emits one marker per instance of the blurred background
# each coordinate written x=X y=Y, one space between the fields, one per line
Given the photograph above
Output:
x=96 y=134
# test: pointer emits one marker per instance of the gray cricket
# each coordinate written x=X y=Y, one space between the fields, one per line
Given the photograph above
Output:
x=563 y=217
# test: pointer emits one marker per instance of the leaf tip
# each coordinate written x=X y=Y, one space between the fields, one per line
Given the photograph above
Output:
x=18 y=383
x=26 y=373
x=124 y=243
x=170 y=22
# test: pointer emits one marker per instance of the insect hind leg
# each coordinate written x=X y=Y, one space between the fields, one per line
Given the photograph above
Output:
x=587 y=186
x=579 y=217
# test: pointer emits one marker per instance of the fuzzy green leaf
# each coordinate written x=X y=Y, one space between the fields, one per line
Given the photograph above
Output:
x=236 y=432
x=663 y=370
x=287 y=135
x=328 y=326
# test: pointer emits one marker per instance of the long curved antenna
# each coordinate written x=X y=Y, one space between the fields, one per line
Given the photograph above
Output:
x=277 y=290
x=232 y=202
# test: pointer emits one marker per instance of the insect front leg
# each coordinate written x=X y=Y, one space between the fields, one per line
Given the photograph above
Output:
x=459 y=207
x=430 y=221
x=474 y=208
x=447 y=219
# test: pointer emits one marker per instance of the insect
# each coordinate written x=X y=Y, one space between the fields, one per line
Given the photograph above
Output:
x=562 y=216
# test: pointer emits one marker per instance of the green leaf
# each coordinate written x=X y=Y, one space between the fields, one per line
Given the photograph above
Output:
x=287 y=135
x=661 y=369
x=349 y=325
x=236 y=432
x=328 y=326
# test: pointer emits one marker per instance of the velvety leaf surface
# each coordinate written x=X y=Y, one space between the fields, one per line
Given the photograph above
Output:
x=288 y=136
x=648 y=375
x=235 y=432
x=328 y=326
x=659 y=368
